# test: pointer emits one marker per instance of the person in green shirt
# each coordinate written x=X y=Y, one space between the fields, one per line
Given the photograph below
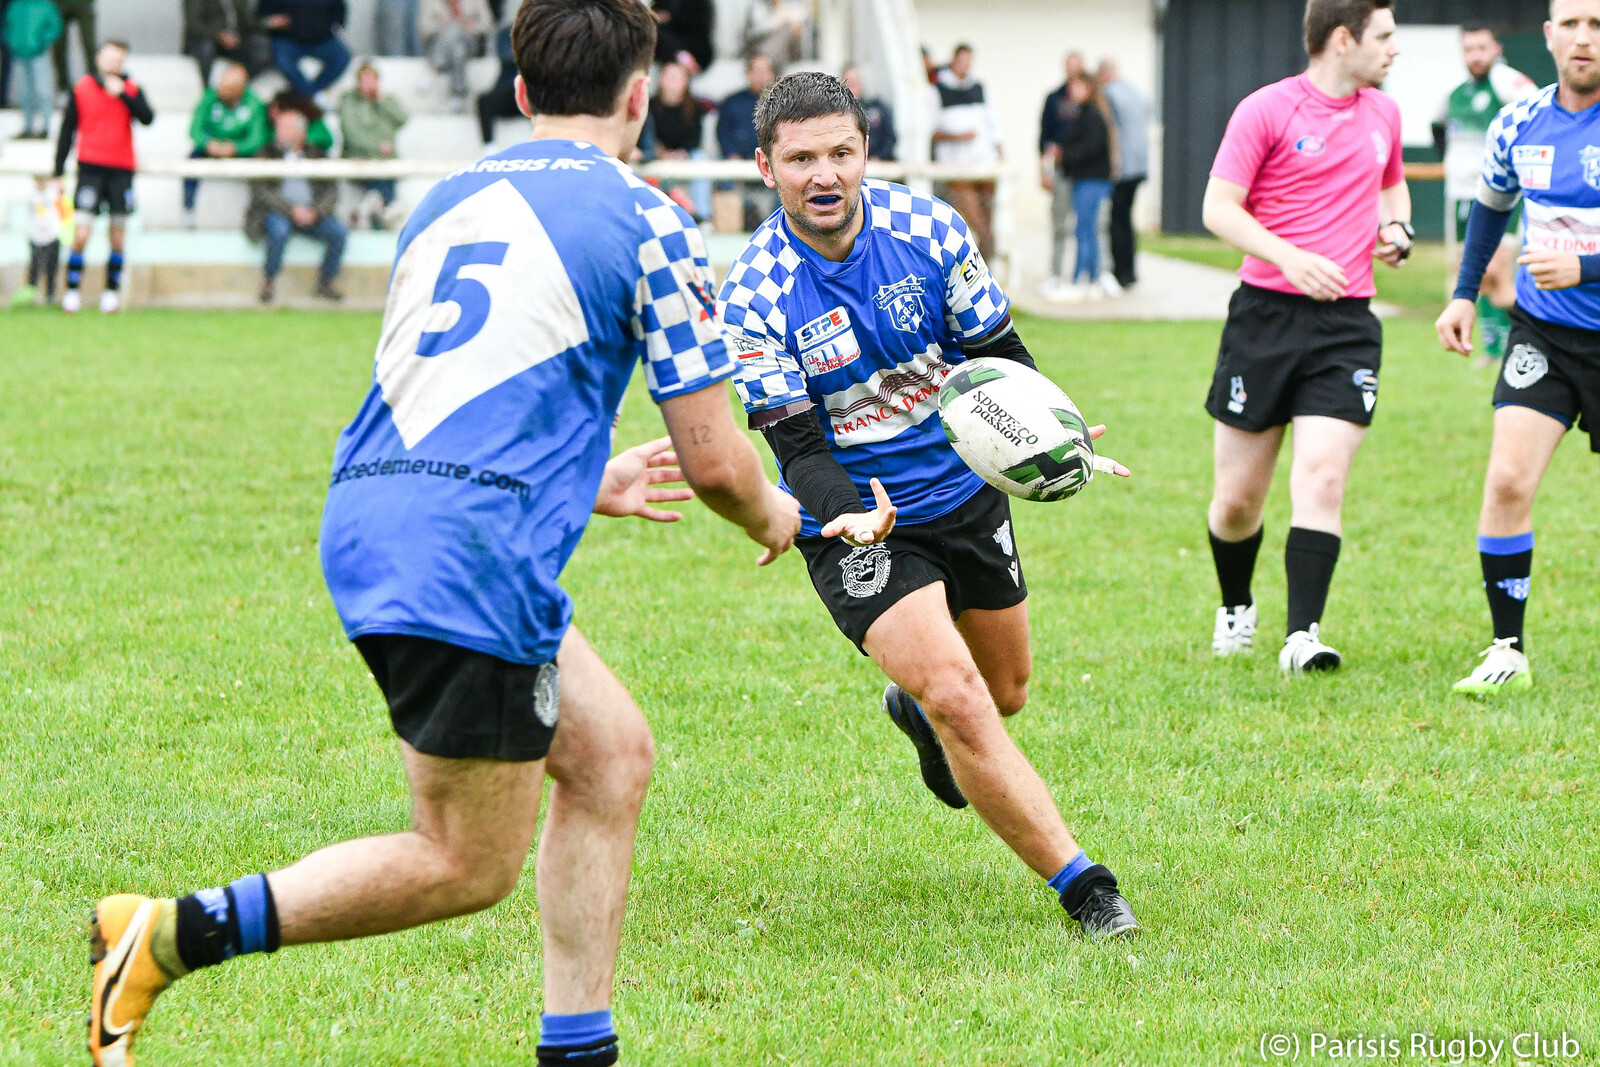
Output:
x=31 y=27
x=1458 y=135
x=229 y=123
x=370 y=121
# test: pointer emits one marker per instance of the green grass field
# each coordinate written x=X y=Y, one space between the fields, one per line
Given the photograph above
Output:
x=1362 y=853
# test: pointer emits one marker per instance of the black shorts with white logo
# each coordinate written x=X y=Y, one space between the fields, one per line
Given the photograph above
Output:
x=108 y=189
x=972 y=550
x=1555 y=369
x=455 y=703
x=1284 y=354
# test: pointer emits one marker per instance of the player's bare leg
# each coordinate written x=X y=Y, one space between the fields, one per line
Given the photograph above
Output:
x=1524 y=442
x=472 y=822
x=922 y=652
x=998 y=641
x=1243 y=463
x=599 y=767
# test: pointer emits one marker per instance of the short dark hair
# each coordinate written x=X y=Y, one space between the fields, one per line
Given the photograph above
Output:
x=115 y=42
x=1478 y=27
x=963 y=47
x=576 y=55
x=1325 y=16
x=806 y=94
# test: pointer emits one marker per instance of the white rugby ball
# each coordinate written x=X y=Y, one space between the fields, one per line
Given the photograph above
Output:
x=1016 y=429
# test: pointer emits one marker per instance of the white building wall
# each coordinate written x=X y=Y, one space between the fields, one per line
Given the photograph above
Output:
x=1020 y=47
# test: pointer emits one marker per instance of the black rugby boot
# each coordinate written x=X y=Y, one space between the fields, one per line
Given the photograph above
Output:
x=905 y=714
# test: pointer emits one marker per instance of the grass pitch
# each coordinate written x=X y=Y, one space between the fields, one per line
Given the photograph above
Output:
x=1362 y=853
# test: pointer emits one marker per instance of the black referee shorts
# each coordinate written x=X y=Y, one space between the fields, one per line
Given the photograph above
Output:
x=1284 y=354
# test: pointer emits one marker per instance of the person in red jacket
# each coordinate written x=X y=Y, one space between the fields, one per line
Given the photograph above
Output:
x=99 y=115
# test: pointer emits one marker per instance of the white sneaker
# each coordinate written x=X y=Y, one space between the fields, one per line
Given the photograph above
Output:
x=1235 y=631
x=71 y=301
x=1304 y=651
x=1092 y=291
x=1108 y=285
x=110 y=302
x=1503 y=670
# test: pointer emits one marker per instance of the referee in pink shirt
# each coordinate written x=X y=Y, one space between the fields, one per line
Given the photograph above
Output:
x=1309 y=184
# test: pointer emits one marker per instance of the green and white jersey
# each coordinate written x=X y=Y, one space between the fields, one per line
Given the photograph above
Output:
x=1468 y=111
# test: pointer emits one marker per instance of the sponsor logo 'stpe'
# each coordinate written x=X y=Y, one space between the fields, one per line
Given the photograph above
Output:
x=888 y=402
x=1524 y=366
x=903 y=302
x=822 y=327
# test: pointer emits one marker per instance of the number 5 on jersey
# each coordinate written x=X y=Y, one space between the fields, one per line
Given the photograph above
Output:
x=458 y=323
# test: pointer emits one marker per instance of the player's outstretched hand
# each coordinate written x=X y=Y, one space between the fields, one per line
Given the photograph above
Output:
x=1454 y=326
x=782 y=525
x=865 y=528
x=1318 y=277
x=1105 y=464
x=628 y=486
x=1552 y=270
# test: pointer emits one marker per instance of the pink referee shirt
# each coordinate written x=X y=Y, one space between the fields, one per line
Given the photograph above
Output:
x=1314 y=166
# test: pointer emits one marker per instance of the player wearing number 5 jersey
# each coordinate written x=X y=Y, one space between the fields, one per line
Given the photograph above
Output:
x=1544 y=152
x=526 y=288
x=849 y=307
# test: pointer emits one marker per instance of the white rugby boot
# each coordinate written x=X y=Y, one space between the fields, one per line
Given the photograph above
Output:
x=1504 y=669
x=110 y=302
x=72 y=301
x=1235 y=631
x=1304 y=651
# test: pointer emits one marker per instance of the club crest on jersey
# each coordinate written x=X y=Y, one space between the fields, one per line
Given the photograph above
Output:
x=903 y=302
x=1311 y=145
x=865 y=571
x=1590 y=158
x=1524 y=366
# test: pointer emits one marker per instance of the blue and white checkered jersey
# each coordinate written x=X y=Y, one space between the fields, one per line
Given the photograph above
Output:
x=525 y=289
x=868 y=341
x=1549 y=156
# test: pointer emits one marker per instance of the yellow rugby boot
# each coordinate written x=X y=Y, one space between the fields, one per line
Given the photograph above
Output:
x=133 y=946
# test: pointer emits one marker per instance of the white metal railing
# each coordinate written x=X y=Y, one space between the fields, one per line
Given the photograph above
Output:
x=661 y=170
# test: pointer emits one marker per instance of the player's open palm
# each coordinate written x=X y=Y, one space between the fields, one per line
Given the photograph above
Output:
x=865 y=528
x=1454 y=326
x=630 y=484
x=1318 y=277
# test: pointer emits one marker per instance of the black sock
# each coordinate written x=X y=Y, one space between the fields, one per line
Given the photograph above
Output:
x=114 y=272
x=1236 y=563
x=600 y=1053
x=1078 y=891
x=1507 y=565
x=232 y=920
x=1309 y=557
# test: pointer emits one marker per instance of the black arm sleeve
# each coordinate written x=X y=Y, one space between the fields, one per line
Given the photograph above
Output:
x=1002 y=342
x=1485 y=228
x=1439 y=142
x=139 y=107
x=811 y=471
x=69 y=130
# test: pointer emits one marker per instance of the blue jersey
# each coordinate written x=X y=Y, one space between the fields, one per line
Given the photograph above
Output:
x=1551 y=157
x=868 y=341
x=525 y=288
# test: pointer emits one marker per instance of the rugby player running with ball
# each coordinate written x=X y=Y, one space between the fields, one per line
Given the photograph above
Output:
x=848 y=308
x=1309 y=184
x=526 y=288
x=1544 y=151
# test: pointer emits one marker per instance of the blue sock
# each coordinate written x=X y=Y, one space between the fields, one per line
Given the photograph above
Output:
x=581 y=1039
x=218 y=924
x=114 y=272
x=74 y=269
x=1075 y=866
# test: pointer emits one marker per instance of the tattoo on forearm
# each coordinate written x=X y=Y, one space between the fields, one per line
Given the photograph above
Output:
x=700 y=435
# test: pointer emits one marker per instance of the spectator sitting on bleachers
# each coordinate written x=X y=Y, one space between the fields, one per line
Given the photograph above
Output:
x=678 y=118
x=302 y=28
x=736 y=135
x=282 y=207
x=224 y=29
x=452 y=32
x=501 y=101
x=368 y=121
x=317 y=132
x=31 y=27
x=880 y=117
x=230 y=122
x=778 y=28
x=683 y=32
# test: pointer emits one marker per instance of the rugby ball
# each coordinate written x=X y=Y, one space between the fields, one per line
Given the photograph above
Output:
x=1016 y=429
